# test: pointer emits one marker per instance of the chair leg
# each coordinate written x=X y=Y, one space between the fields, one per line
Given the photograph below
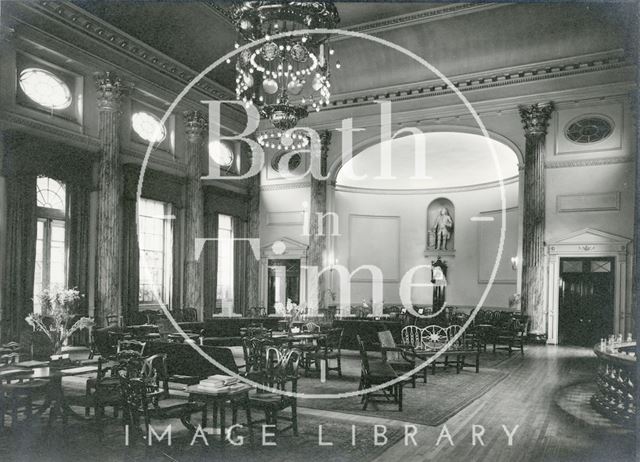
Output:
x=294 y=418
x=339 y=367
x=400 y=396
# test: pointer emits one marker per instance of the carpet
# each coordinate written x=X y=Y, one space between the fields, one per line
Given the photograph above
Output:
x=445 y=394
x=81 y=441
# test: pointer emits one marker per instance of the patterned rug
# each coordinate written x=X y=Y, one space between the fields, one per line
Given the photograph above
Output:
x=443 y=396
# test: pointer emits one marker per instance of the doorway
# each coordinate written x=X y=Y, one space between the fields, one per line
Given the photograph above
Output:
x=283 y=283
x=586 y=300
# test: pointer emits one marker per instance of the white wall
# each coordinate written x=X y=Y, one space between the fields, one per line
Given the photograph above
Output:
x=411 y=209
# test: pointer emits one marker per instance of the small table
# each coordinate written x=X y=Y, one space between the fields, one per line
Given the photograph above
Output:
x=218 y=398
x=55 y=401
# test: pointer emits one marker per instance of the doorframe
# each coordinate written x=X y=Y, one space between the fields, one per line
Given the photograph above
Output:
x=589 y=243
x=294 y=250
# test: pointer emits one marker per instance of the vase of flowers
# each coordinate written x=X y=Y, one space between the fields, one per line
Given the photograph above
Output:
x=58 y=309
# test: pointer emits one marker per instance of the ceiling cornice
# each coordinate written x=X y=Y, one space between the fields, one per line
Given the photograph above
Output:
x=495 y=78
x=75 y=17
x=418 y=17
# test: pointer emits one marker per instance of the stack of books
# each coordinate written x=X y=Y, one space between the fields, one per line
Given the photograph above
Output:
x=219 y=383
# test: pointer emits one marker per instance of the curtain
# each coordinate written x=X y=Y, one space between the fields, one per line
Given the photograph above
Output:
x=77 y=238
x=239 y=266
x=210 y=256
x=130 y=267
x=21 y=255
x=176 y=291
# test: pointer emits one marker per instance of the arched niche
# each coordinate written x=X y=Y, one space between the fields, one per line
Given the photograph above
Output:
x=437 y=211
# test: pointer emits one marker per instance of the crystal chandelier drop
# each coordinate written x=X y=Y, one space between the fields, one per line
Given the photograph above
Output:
x=288 y=76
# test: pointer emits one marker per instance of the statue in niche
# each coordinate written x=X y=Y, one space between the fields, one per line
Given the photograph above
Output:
x=443 y=228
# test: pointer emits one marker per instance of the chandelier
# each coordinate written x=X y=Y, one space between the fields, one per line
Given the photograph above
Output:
x=288 y=76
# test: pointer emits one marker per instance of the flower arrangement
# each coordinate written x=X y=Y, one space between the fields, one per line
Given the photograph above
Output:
x=58 y=310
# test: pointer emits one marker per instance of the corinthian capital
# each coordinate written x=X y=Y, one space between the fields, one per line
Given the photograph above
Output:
x=110 y=91
x=535 y=118
x=195 y=123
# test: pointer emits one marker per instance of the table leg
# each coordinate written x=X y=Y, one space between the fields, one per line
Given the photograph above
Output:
x=222 y=422
x=247 y=408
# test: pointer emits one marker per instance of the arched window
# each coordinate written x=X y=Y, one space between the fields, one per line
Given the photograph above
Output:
x=50 y=193
x=51 y=256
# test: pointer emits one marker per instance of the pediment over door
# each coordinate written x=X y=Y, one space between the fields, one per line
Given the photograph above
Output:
x=292 y=249
x=589 y=240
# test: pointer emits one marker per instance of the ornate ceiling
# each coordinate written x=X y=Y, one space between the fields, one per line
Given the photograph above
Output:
x=460 y=39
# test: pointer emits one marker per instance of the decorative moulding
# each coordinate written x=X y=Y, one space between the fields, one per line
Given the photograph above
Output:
x=79 y=19
x=589 y=241
x=587 y=162
x=496 y=78
x=592 y=202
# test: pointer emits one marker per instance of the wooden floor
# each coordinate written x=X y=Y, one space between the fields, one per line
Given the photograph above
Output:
x=526 y=399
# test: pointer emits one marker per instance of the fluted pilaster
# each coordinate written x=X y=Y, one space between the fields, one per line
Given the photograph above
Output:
x=195 y=129
x=535 y=119
x=317 y=230
x=109 y=96
x=253 y=231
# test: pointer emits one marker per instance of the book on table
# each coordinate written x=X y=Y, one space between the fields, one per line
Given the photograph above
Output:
x=219 y=382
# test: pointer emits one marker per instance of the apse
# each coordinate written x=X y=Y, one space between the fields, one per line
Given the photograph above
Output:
x=436 y=160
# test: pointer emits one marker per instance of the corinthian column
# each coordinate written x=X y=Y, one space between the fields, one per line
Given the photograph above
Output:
x=317 y=228
x=109 y=92
x=535 y=119
x=195 y=125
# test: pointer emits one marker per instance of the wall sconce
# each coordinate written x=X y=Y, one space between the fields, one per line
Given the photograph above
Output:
x=514 y=263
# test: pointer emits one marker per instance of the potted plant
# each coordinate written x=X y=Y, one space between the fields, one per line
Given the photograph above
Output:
x=59 y=308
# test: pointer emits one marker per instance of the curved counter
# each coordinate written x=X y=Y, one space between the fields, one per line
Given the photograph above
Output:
x=615 y=398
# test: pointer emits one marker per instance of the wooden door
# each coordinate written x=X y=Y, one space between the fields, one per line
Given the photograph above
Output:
x=586 y=302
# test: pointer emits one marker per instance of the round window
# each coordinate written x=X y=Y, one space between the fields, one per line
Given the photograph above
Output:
x=589 y=130
x=221 y=154
x=45 y=88
x=148 y=127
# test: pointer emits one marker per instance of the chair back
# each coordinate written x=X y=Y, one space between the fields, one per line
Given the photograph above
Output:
x=154 y=373
x=282 y=367
x=132 y=346
x=433 y=337
x=253 y=349
x=333 y=340
x=387 y=341
x=412 y=335
x=311 y=327
x=452 y=330
x=189 y=315
x=364 y=359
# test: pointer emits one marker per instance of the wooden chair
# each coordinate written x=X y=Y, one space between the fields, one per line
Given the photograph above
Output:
x=134 y=346
x=513 y=336
x=377 y=373
x=330 y=348
x=17 y=391
x=280 y=373
x=433 y=339
x=189 y=315
x=400 y=358
x=412 y=336
x=142 y=395
x=311 y=327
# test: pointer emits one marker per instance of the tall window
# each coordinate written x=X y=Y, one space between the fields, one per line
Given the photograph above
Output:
x=225 y=264
x=51 y=262
x=156 y=243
